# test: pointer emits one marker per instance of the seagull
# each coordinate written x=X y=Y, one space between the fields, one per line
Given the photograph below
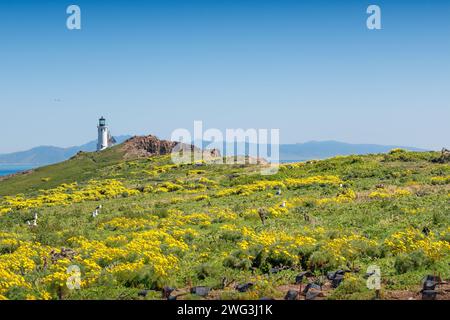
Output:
x=96 y=211
x=33 y=223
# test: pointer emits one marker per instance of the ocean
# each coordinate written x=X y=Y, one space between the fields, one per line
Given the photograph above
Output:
x=9 y=169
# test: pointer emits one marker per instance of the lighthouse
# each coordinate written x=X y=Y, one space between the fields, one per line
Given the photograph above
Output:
x=103 y=135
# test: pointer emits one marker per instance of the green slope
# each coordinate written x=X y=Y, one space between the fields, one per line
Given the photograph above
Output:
x=82 y=167
x=190 y=225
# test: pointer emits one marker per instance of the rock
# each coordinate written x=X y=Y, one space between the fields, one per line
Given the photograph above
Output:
x=244 y=287
x=337 y=281
x=291 y=295
x=332 y=274
x=200 y=291
x=429 y=287
x=166 y=291
x=142 y=293
x=147 y=146
x=429 y=294
x=299 y=278
x=312 y=291
x=336 y=277
x=309 y=286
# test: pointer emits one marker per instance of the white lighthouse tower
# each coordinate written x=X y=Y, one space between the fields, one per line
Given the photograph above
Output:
x=103 y=135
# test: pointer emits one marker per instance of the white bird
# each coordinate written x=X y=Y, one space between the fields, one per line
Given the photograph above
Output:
x=96 y=211
x=33 y=223
x=283 y=205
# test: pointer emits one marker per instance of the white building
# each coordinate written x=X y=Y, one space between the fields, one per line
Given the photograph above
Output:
x=104 y=137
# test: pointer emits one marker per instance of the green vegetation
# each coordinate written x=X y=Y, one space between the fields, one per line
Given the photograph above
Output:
x=85 y=167
x=202 y=224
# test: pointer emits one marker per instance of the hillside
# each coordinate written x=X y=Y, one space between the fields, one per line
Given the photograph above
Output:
x=45 y=155
x=225 y=227
x=84 y=166
x=327 y=149
x=311 y=150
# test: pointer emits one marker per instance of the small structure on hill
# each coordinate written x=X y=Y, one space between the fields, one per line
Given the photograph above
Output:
x=105 y=139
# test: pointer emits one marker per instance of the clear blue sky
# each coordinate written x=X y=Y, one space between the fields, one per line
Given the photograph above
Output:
x=310 y=68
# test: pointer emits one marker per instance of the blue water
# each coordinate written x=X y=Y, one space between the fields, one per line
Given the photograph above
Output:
x=5 y=170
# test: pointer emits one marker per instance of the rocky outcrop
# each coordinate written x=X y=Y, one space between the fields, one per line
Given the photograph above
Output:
x=147 y=146
x=444 y=158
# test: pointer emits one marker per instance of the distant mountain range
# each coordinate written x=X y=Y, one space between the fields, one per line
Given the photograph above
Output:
x=326 y=149
x=308 y=150
x=45 y=155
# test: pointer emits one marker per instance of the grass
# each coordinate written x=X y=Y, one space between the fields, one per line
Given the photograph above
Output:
x=164 y=225
x=84 y=167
